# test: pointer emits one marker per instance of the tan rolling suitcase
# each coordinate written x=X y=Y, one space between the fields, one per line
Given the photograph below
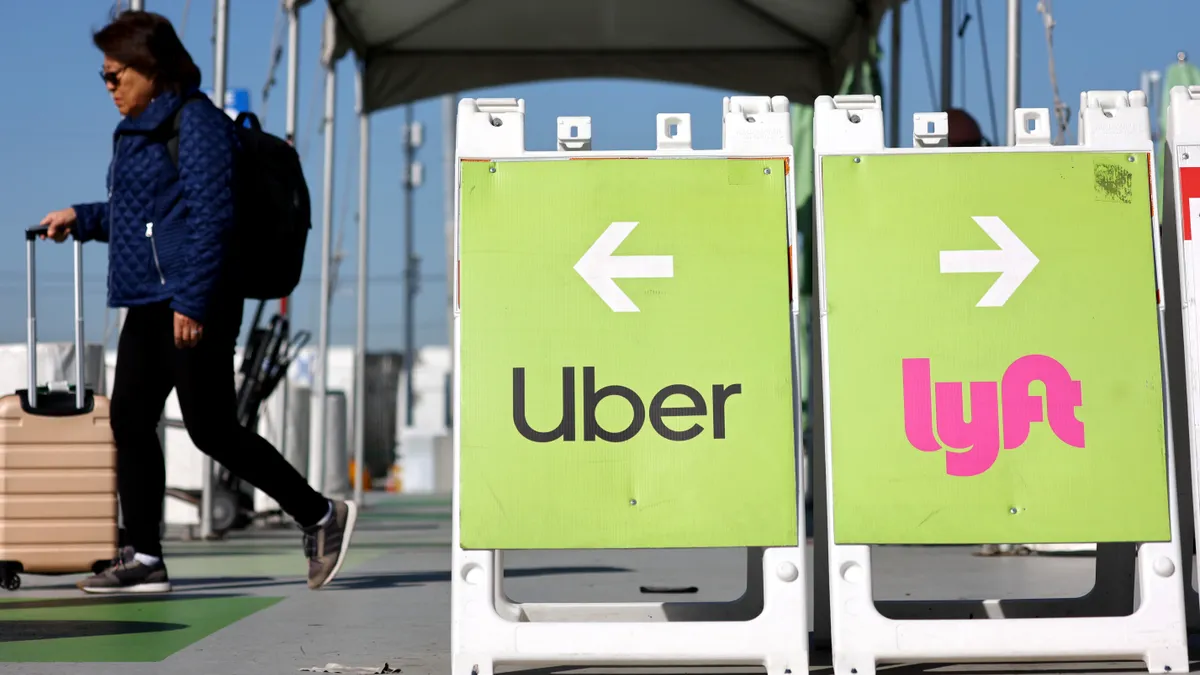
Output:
x=58 y=478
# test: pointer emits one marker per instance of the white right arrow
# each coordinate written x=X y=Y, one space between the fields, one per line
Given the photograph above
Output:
x=599 y=267
x=1014 y=261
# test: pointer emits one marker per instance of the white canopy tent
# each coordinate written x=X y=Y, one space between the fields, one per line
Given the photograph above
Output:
x=417 y=49
x=422 y=48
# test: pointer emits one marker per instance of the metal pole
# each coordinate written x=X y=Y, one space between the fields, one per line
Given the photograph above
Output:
x=947 y=54
x=135 y=6
x=409 y=267
x=293 y=70
x=360 y=347
x=80 y=342
x=1013 y=84
x=449 y=190
x=316 y=453
x=138 y=5
x=893 y=103
x=293 y=105
x=220 y=55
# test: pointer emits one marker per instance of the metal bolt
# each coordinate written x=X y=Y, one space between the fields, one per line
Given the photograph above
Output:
x=633 y=502
x=1013 y=510
x=855 y=119
x=767 y=172
x=1132 y=158
x=750 y=119
x=496 y=121
x=491 y=169
x=1185 y=155
x=857 y=160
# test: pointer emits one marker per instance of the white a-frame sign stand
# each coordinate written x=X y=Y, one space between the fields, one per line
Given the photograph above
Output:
x=645 y=303
x=952 y=280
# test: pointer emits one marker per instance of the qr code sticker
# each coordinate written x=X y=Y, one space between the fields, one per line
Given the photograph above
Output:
x=1113 y=183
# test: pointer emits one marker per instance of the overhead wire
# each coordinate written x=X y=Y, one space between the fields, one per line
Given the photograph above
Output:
x=963 y=21
x=276 y=56
x=1061 y=111
x=187 y=8
x=987 y=71
x=316 y=117
x=925 y=53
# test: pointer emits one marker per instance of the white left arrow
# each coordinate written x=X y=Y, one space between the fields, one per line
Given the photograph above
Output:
x=1014 y=261
x=599 y=267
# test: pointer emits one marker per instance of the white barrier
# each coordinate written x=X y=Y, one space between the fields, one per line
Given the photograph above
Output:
x=702 y=295
x=1002 y=252
x=1181 y=264
x=56 y=363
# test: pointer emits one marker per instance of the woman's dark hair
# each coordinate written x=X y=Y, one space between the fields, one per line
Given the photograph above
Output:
x=147 y=43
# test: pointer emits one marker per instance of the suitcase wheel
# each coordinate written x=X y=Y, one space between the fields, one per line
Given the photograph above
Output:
x=11 y=580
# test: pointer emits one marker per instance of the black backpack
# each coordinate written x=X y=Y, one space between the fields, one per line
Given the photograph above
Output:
x=272 y=212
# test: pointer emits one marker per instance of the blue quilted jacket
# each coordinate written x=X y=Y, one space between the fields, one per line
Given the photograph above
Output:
x=166 y=228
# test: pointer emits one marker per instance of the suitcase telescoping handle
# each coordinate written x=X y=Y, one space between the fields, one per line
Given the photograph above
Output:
x=32 y=235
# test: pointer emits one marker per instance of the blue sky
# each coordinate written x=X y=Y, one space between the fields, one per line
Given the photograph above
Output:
x=56 y=123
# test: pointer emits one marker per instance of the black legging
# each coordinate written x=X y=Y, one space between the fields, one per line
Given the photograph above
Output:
x=148 y=366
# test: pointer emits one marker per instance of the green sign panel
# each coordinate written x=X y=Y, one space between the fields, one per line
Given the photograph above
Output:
x=626 y=355
x=993 y=349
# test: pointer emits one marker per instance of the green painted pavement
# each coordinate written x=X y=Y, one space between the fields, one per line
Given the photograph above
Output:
x=1037 y=417
x=626 y=355
x=121 y=629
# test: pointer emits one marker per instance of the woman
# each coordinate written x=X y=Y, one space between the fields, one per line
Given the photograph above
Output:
x=166 y=228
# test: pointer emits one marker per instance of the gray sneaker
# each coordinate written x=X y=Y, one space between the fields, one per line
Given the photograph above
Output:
x=325 y=547
x=127 y=575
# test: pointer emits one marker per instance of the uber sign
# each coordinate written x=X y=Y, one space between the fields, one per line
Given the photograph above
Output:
x=592 y=397
x=626 y=355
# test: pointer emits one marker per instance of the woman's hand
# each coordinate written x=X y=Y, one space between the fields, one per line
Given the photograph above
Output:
x=59 y=223
x=188 y=331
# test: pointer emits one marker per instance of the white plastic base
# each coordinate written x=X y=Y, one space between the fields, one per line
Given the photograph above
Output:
x=489 y=629
x=1154 y=633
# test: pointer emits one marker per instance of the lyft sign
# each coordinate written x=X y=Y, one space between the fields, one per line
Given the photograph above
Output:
x=993 y=365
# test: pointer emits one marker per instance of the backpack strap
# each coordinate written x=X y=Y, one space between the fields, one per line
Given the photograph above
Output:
x=176 y=121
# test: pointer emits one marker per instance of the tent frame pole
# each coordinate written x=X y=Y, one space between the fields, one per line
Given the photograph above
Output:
x=220 y=57
x=1013 y=80
x=893 y=102
x=318 y=440
x=947 y=55
x=360 y=346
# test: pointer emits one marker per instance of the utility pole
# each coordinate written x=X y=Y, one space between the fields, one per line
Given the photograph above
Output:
x=414 y=136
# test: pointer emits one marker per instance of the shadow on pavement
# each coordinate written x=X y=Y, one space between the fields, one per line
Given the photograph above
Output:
x=375 y=581
x=193 y=587
x=98 y=600
x=26 y=630
x=819 y=666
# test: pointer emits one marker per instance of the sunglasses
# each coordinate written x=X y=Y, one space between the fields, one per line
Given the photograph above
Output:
x=112 y=77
